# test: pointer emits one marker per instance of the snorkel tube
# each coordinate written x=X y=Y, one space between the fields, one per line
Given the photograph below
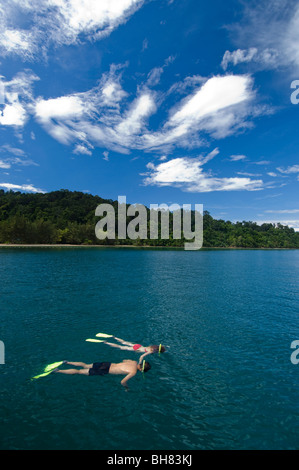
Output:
x=142 y=368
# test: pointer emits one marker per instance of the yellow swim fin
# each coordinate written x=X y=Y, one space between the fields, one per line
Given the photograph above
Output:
x=53 y=366
x=48 y=369
x=103 y=335
x=94 y=340
x=44 y=374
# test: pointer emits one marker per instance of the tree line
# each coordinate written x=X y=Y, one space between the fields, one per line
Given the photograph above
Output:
x=68 y=217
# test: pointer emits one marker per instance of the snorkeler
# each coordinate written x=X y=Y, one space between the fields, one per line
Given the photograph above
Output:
x=127 y=346
x=127 y=367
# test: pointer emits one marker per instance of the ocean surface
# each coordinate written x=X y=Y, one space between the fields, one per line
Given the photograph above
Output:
x=226 y=317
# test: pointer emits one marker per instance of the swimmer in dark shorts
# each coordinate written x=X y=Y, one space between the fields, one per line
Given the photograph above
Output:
x=100 y=368
x=127 y=367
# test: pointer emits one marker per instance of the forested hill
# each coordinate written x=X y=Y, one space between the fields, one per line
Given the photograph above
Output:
x=66 y=217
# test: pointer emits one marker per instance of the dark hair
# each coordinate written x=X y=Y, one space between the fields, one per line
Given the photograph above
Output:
x=147 y=366
x=158 y=348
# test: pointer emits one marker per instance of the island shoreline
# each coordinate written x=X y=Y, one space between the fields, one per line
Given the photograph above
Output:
x=181 y=248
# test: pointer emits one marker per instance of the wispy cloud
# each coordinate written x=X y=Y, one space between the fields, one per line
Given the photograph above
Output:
x=188 y=174
x=82 y=150
x=4 y=165
x=289 y=170
x=18 y=98
x=244 y=173
x=219 y=107
x=262 y=162
x=269 y=32
x=58 y=22
x=283 y=211
x=267 y=58
x=14 y=156
x=238 y=56
x=7 y=148
x=237 y=158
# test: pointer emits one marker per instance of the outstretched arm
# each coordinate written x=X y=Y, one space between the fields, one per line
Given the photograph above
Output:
x=128 y=377
x=143 y=356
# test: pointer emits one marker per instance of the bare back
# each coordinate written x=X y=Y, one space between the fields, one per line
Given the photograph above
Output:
x=125 y=367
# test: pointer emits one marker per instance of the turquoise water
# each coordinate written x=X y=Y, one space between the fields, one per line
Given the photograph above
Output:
x=226 y=382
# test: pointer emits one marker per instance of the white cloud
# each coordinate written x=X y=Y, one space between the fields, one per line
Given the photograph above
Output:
x=4 y=165
x=17 y=99
x=12 y=150
x=269 y=33
x=13 y=114
x=66 y=107
x=283 y=211
x=93 y=17
x=188 y=174
x=134 y=119
x=290 y=223
x=237 y=158
x=112 y=93
x=216 y=94
x=218 y=107
x=12 y=40
x=21 y=187
x=106 y=156
x=103 y=117
x=262 y=162
x=289 y=170
x=238 y=56
x=80 y=149
x=19 y=157
x=268 y=58
x=55 y=115
x=291 y=40
x=186 y=84
x=144 y=44
x=154 y=76
x=210 y=156
x=58 y=22
x=244 y=173
x=88 y=117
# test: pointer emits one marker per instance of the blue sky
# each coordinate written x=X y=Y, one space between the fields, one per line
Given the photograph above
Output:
x=164 y=101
